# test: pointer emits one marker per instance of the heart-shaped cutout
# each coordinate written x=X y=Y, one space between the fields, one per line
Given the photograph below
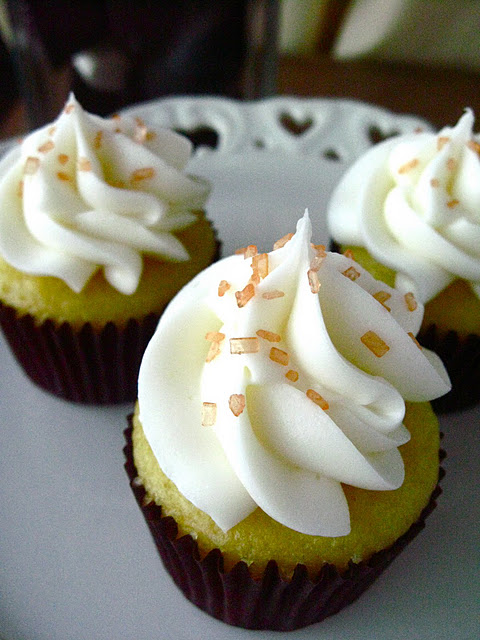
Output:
x=294 y=125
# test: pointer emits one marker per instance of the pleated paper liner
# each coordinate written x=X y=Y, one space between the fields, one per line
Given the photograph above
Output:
x=269 y=602
x=461 y=357
x=85 y=366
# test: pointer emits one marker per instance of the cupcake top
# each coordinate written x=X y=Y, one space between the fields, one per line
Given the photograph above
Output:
x=413 y=201
x=273 y=378
x=87 y=193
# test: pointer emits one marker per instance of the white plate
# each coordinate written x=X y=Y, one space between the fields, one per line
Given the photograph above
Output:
x=76 y=558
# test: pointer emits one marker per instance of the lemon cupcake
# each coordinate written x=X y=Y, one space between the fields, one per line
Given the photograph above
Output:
x=409 y=208
x=273 y=453
x=99 y=228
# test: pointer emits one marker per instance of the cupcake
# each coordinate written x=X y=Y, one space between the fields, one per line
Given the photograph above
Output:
x=99 y=228
x=409 y=209
x=283 y=448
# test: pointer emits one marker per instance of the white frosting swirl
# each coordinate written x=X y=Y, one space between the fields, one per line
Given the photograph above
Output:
x=286 y=451
x=88 y=193
x=414 y=202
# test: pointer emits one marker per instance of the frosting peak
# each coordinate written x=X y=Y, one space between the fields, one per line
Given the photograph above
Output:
x=87 y=193
x=413 y=202
x=290 y=381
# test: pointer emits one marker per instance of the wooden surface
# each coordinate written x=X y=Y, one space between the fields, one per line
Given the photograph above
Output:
x=438 y=95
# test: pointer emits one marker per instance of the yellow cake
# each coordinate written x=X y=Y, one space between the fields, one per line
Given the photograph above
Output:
x=378 y=518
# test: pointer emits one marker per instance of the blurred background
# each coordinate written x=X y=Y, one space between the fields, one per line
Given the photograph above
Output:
x=118 y=52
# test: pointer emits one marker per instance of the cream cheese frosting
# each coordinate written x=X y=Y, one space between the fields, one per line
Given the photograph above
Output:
x=88 y=193
x=273 y=378
x=413 y=202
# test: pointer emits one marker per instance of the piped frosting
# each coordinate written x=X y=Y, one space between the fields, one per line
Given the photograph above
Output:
x=273 y=378
x=413 y=202
x=87 y=193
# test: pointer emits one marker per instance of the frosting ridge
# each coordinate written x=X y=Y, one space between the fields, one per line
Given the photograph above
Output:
x=249 y=397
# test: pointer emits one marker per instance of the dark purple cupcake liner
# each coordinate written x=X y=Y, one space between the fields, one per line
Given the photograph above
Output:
x=461 y=357
x=85 y=366
x=269 y=602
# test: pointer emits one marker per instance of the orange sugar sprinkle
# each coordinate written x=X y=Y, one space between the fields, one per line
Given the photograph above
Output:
x=317 y=399
x=414 y=339
x=69 y=108
x=52 y=130
x=245 y=295
x=223 y=287
x=451 y=204
x=62 y=158
x=140 y=134
x=271 y=295
x=151 y=135
x=268 y=335
x=20 y=188
x=241 y=346
x=316 y=262
x=320 y=250
x=451 y=164
x=313 y=281
x=375 y=344
x=250 y=251
x=97 y=141
x=260 y=264
x=279 y=356
x=382 y=297
x=410 y=301
x=84 y=164
x=213 y=352
x=214 y=336
x=435 y=182
x=146 y=173
x=474 y=146
x=236 y=403
x=116 y=116
x=61 y=175
x=254 y=278
x=209 y=414
x=408 y=166
x=351 y=273
x=442 y=141
x=31 y=166
x=283 y=241
x=46 y=147
x=292 y=375
x=348 y=253
x=418 y=130
x=118 y=184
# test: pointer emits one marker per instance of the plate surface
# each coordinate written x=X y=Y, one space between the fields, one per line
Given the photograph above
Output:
x=76 y=558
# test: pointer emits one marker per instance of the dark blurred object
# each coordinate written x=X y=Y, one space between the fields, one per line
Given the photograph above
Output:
x=9 y=92
x=127 y=51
